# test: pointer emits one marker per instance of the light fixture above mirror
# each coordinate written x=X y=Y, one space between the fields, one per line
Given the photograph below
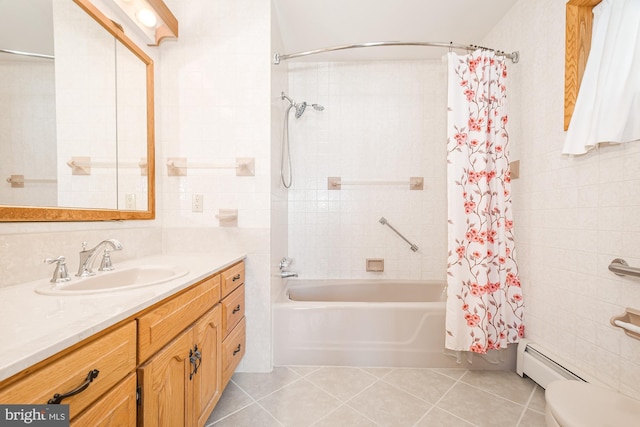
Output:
x=152 y=17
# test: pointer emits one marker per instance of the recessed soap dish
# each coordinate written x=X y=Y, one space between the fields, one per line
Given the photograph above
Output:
x=629 y=322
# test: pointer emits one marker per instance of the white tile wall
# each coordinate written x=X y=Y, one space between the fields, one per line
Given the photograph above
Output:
x=382 y=121
x=572 y=215
x=214 y=105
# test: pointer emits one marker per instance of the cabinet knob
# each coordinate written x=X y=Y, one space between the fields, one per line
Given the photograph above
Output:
x=57 y=398
x=235 y=310
x=236 y=277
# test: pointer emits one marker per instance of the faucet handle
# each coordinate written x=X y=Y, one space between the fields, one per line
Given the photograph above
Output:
x=60 y=274
x=106 y=264
x=84 y=246
x=285 y=262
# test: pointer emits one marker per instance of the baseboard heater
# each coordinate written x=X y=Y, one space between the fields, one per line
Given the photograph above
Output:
x=543 y=367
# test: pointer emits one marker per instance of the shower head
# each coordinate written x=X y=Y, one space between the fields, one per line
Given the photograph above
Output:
x=300 y=109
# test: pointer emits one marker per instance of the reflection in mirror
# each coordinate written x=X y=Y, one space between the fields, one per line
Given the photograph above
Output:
x=85 y=107
x=77 y=139
x=27 y=104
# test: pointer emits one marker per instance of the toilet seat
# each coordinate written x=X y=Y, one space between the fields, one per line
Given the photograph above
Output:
x=579 y=404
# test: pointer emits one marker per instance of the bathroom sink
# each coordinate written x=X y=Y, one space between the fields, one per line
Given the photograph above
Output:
x=116 y=280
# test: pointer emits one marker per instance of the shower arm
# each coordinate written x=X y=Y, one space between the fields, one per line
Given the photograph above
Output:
x=383 y=221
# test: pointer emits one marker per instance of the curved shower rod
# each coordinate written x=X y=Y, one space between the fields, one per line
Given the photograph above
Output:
x=35 y=55
x=513 y=56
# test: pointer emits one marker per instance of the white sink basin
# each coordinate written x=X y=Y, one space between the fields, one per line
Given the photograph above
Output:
x=116 y=280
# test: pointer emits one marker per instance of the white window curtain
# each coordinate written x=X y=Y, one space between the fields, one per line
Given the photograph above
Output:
x=608 y=105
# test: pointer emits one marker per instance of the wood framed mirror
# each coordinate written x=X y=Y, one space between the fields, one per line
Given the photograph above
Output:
x=102 y=169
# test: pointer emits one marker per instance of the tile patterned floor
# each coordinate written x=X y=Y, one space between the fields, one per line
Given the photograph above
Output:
x=329 y=396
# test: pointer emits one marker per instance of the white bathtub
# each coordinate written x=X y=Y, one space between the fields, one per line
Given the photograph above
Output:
x=391 y=323
x=360 y=323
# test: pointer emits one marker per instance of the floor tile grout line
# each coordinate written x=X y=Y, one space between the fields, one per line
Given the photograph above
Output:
x=435 y=405
x=307 y=380
x=494 y=394
x=375 y=379
x=342 y=405
x=346 y=402
x=526 y=407
x=300 y=377
x=253 y=401
x=256 y=401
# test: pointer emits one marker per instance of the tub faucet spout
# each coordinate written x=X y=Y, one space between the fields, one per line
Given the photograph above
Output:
x=286 y=274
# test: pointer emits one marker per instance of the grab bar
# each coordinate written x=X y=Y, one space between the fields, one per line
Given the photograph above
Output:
x=621 y=268
x=383 y=221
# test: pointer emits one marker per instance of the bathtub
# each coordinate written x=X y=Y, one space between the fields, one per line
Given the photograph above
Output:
x=375 y=323
x=360 y=323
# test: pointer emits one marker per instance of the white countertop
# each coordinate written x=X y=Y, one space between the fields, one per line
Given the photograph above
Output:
x=34 y=327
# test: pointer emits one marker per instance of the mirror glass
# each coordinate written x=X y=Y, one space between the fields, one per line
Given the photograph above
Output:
x=76 y=135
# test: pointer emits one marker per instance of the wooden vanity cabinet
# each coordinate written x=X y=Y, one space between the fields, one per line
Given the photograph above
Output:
x=165 y=366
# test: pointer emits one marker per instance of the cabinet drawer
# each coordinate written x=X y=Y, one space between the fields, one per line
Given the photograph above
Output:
x=160 y=325
x=232 y=310
x=232 y=278
x=116 y=408
x=113 y=355
x=233 y=348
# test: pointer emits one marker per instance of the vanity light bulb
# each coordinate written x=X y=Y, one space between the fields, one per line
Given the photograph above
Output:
x=147 y=18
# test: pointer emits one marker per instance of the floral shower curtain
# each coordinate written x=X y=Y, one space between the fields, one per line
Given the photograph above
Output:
x=484 y=298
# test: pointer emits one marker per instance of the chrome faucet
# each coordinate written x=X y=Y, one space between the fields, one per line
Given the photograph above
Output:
x=88 y=256
x=284 y=264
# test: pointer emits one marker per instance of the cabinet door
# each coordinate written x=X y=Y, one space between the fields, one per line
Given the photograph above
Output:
x=207 y=382
x=167 y=398
x=117 y=408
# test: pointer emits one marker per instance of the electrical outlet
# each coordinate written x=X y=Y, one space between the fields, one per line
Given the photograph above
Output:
x=130 y=202
x=196 y=203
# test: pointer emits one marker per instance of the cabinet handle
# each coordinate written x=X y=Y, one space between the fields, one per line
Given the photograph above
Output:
x=195 y=358
x=57 y=398
x=237 y=350
x=235 y=310
x=236 y=277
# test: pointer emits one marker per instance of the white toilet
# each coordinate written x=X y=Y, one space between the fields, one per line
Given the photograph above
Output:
x=579 y=404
